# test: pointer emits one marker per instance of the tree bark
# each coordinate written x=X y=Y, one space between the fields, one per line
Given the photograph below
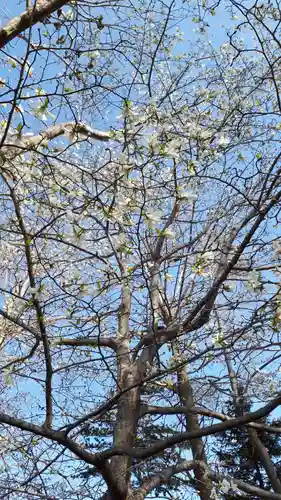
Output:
x=203 y=483
x=129 y=403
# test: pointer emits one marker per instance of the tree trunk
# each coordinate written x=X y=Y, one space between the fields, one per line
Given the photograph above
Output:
x=125 y=430
x=129 y=403
x=203 y=483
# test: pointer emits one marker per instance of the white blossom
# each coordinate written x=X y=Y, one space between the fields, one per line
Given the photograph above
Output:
x=153 y=144
x=203 y=91
x=172 y=149
x=225 y=486
x=95 y=54
x=153 y=218
x=122 y=201
x=169 y=234
x=187 y=194
x=214 y=495
x=43 y=114
x=203 y=133
x=261 y=375
x=83 y=290
x=225 y=46
x=118 y=240
x=277 y=248
x=68 y=15
x=254 y=281
x=223 y=140
x=169 y=277
x=122 y=159
x=70 y=216
x=208 y=256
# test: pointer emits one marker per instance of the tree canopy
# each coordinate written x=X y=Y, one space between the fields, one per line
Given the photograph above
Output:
x=140 y=245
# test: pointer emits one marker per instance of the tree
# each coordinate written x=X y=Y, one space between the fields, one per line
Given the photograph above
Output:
x=140 y=247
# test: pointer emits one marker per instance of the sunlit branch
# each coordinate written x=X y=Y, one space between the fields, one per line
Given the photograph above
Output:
x=30 y=17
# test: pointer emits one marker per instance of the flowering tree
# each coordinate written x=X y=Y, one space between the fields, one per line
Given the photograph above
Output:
x=140 y=246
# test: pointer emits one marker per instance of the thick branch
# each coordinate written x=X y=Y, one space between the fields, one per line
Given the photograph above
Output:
x=177 y=410
x=162 y=478
x=30 y=17
x=92 y=342
x=67 y=128
x=56 y=436
x=99 y=459
x=39 y=313
x=129 y=402
x=38 y=430
x=154 y=481
x=203 y=484
x=28 y=493
x=186 y=436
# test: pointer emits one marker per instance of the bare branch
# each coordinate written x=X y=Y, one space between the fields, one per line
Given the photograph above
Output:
x=85 y=342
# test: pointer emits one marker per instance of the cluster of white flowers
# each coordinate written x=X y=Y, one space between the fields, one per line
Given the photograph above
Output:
x=254 y=283
x=172 y=148
x=176 y=358
x=223 y=140
x=72 y=216
x=187 y=194
x=124 y=162
x=169 y=234
x=204 y=264
x=218 y=339
x=224 y=486
x=36 y=292
x=195 y=131
x=76 y=237
x=153 y=144
x=169 y=277
x=153 y=218
x=118 y=240
x=122 y=205
x=95 y=54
